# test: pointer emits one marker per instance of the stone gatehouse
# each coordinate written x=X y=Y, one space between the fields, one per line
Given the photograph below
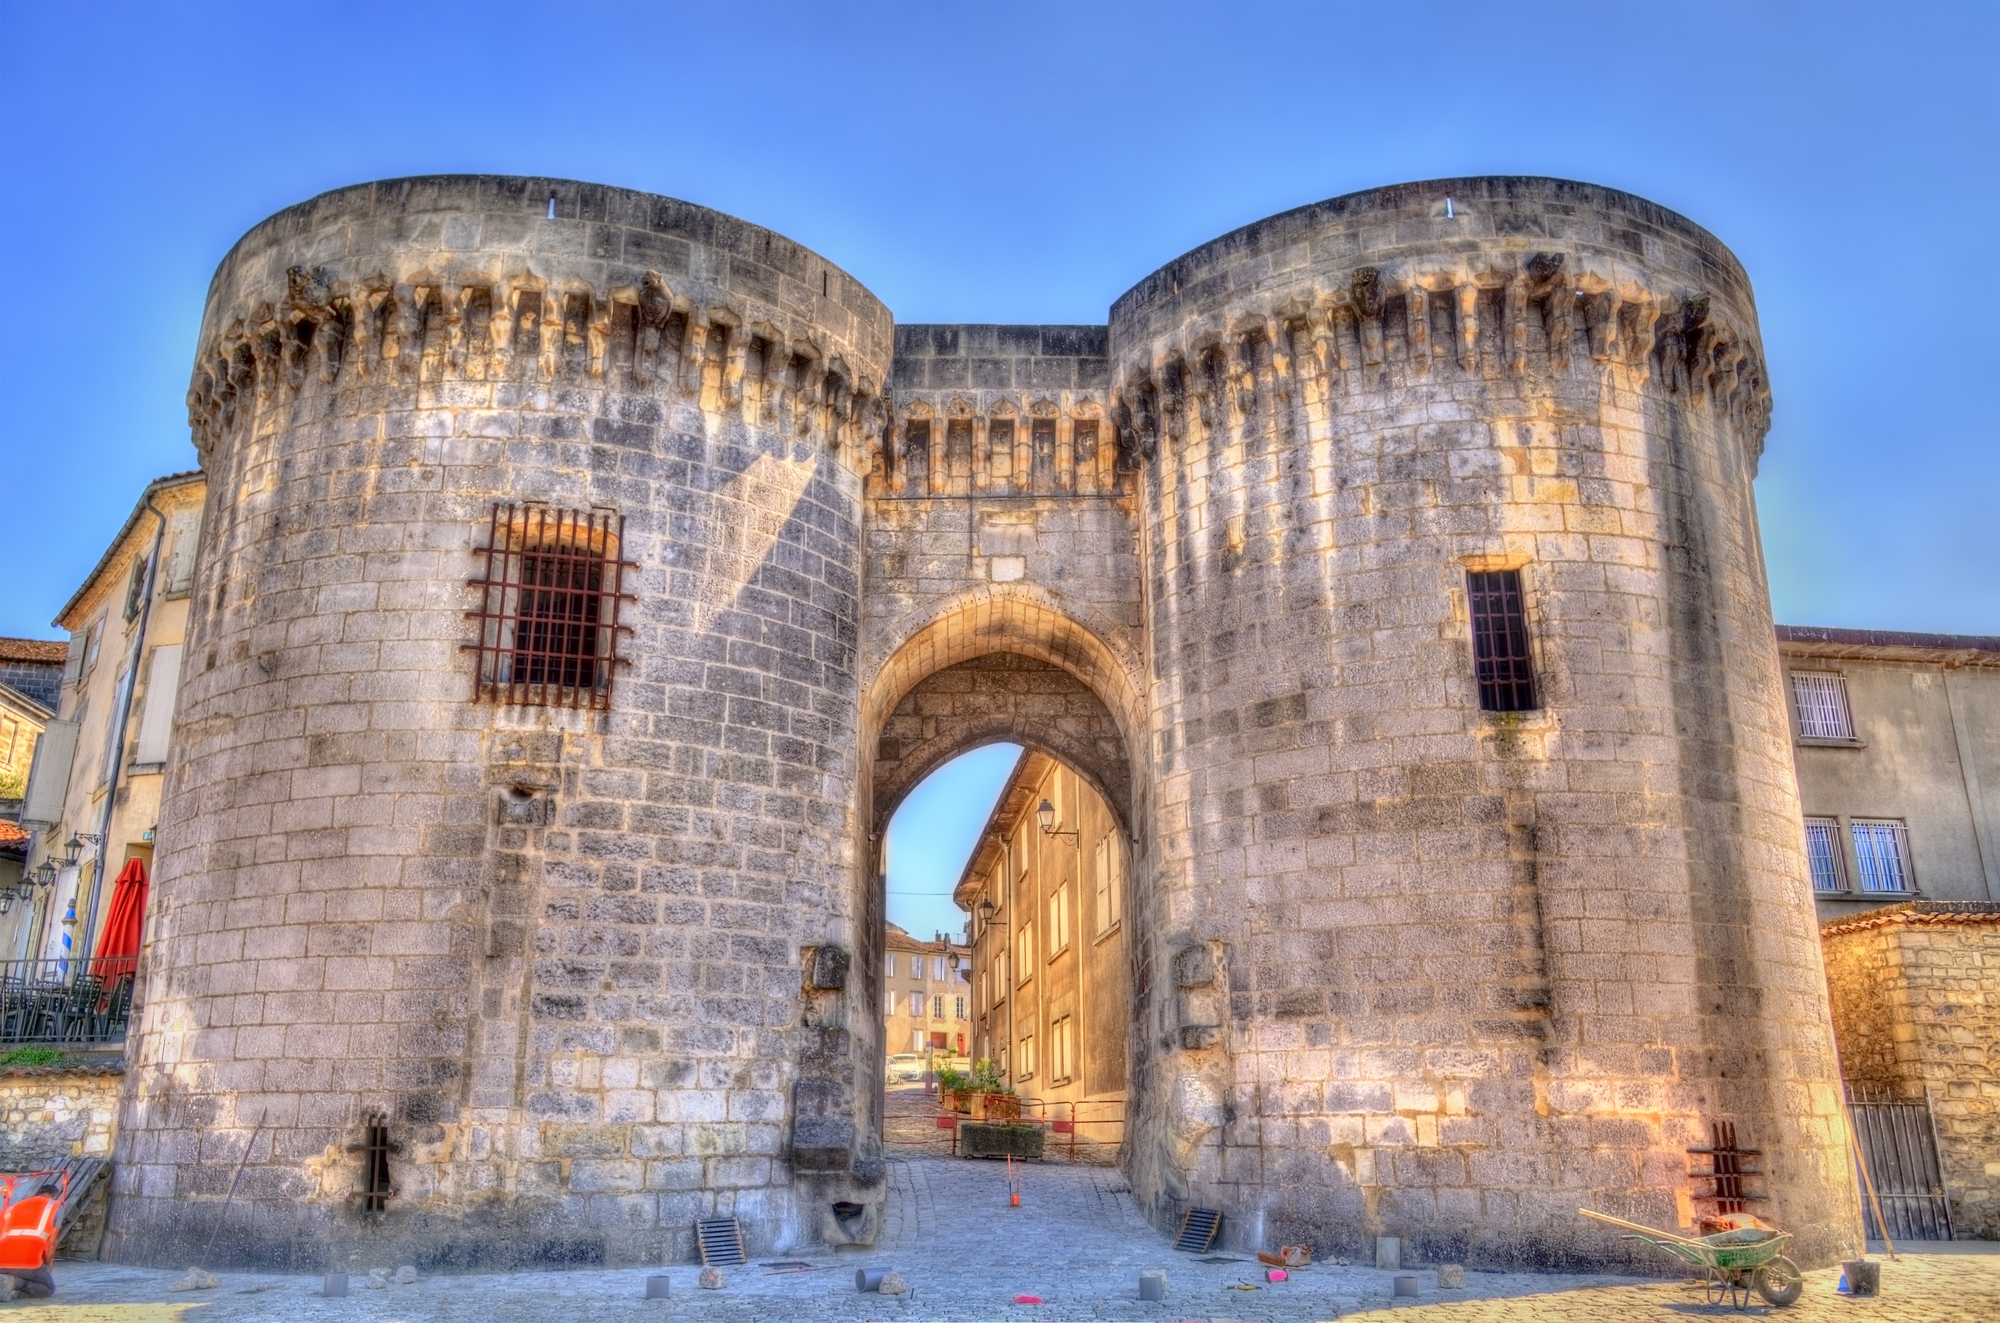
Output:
x=569 y=553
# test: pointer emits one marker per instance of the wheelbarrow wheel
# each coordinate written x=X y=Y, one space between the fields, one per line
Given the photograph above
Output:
x=1780 y=1282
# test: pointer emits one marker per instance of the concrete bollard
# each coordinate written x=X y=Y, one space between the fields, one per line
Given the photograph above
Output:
x=868 y=1279
x=1406 y=1284
x=334 y=1285
x=1388 y=1253
x=1864 y=1277
x=1451 y=1277
x=656 y=1286
x=1152 y=1286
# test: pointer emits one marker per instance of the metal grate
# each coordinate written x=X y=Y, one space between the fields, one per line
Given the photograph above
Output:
x=1500 y=641
x=376 y=1188
x=720 y=1240
x=1882 y=853
x=548 y=607
x=1822 y=703
x=1199 y=1227
x=1823 y=854
x=1727 y=1170
x=1898 y=1139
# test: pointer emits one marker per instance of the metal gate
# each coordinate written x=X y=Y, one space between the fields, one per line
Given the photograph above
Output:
x=1899 y=1143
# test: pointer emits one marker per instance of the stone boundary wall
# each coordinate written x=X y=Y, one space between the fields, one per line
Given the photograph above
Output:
x=1915 y=990
x=58 y=1111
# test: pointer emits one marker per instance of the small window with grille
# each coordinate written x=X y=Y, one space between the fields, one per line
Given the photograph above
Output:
x=1500 y=641
x=1823 y=854
x=1882 y=855
x=548 y=607
x=1822 y=703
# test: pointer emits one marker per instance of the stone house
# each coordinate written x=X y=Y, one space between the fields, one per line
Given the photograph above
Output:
x=924 y=1008
x=99 y=767
x=1045 y=892
x=1897 y=744
x=30 y=676
x=30 y=680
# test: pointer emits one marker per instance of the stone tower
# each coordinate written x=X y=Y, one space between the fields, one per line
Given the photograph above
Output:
x=586 y=576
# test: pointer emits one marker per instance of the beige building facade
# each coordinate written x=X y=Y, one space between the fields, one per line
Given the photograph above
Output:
x=100 y=763
x=1050 y=975
x=1897 y=742
x=587 y=576
x=925 y=1009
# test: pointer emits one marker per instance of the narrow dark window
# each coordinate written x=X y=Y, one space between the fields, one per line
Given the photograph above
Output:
x=1500 y=641
x=548 y=617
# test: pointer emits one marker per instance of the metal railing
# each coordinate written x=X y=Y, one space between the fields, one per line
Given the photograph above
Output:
x=65 y=1001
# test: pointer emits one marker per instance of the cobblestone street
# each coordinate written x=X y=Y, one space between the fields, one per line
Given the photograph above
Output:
x=1077 y=1242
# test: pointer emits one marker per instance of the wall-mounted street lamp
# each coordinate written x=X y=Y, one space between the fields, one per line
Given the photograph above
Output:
x=6 y=900
x=73 y=848
x=45 y=874
x=1046 y=815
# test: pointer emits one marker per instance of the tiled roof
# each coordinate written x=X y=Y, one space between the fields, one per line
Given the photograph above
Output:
x=34 y=650
x=1890 y=645
x=1914 y=911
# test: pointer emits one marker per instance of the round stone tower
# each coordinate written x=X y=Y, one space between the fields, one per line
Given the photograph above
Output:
x=1479 y=891
x=456 y=953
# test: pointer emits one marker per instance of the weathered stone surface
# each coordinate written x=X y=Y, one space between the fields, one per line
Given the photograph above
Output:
x=1916 y=1006
x=1471 y=969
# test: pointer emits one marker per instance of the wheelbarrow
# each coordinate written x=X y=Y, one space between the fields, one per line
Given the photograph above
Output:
x=30 y=1226
x=1732 y=1263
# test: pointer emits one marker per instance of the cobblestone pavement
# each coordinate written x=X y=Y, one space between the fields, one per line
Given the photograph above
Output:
x=1076 y=1241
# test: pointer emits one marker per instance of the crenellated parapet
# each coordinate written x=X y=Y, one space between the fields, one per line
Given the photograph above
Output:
x=744 y=326
x=1543 y=318
x=985 y=410
x=1414 y=288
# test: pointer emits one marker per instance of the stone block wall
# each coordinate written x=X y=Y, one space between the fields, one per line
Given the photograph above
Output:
x=52 y=1112
x=1915 y=990
x=1481 y=968
x=562 y=951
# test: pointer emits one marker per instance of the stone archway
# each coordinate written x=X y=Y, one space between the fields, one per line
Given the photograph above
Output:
x=995 y=698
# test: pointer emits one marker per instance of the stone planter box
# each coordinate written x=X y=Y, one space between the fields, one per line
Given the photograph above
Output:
x=958 y=1100
x=978 y=1139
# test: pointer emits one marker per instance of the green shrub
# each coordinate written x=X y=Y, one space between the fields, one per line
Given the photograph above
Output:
x=33 y=1056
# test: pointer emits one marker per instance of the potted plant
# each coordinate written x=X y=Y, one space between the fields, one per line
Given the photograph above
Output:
x=955 y=1089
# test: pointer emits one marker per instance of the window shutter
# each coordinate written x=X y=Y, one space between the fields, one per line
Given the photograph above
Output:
x=186 y=528
x=48 y=781
x=79 y=643
x=156 y=725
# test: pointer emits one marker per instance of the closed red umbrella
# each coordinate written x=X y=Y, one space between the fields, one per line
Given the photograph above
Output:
x=118 y=955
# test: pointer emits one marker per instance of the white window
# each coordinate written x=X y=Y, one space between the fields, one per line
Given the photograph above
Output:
x=888 y=1003
x=958 y=1008
x=1027 y=1056
x=916 y=1040
x=1108 y=890
x=889 y=964
x=1062 y=1049
x=1882 y=855
x=1822 y=703
x=917 y=1005
x=1024 y=952
x=1059 y=921
x=937 y=968
x=1001 y=984
x=1823 y=854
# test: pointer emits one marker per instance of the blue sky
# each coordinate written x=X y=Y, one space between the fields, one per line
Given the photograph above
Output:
x=1029 y=163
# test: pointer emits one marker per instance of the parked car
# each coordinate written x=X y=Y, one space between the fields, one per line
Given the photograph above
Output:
x=906 y=1067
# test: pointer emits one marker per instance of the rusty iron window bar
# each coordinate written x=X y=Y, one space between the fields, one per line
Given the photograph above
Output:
x=1500 y=641
x=375 y=1147
x=548 y=607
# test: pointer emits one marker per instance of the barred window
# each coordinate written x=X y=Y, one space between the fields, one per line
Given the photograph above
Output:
x=1822 y=704
x=1882 y=855
x=548 y=609
x=1500 y=641
x=1823 y=854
